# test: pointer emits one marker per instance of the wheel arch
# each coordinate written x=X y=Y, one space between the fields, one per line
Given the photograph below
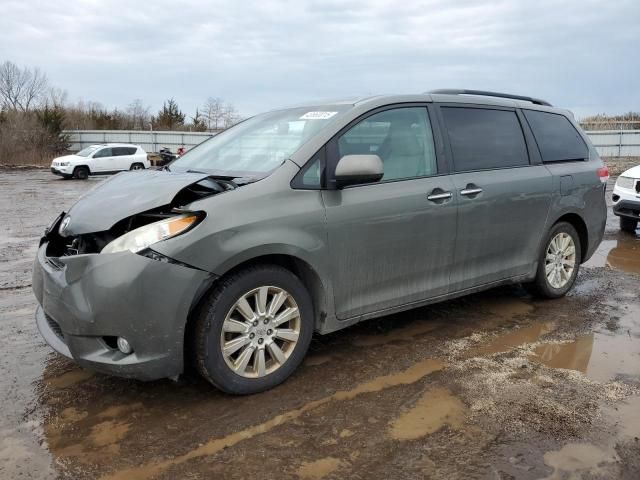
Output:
x=82 y=165
x=577 y=222
x=308 y=275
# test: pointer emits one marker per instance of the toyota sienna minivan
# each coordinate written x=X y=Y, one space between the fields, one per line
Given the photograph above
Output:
x=310 y=219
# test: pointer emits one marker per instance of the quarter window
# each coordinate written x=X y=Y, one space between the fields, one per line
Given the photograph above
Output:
x=484 y=139
x=557 y=138
x=401 y=137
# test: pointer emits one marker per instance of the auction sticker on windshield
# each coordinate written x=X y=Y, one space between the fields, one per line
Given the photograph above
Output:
x=317 y=115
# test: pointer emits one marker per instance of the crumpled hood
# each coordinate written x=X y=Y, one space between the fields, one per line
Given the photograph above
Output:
x=123 y=195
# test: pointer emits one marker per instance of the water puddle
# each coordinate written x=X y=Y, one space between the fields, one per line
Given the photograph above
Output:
x=437 y=407
x=626 y=416
x=601 y=356
x=622 y=254
x=579 y=460
x=513 y=339
x=318 y=469
x=406 y=377
x=69 y=378
x=506 y=307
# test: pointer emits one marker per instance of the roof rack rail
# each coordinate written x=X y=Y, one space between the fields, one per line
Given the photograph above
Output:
x=455 y=91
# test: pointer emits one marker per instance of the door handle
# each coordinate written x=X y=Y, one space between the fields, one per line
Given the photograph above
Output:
x=439 y=196
x=470 y=191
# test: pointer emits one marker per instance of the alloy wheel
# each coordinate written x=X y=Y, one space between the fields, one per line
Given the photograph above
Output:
x=560 y=260
x=260 y=331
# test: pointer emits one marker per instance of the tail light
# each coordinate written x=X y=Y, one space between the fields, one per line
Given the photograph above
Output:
x=603 y=174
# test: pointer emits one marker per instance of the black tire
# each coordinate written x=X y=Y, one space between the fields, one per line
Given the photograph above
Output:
x=81 y=173
x=628 y=224
x=136 y=166
x=541 y=286
x=210 y=316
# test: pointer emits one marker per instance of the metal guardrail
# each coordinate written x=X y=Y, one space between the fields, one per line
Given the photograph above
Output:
x=609 y=143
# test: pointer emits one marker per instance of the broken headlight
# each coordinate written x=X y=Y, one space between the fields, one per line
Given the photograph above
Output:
x=145 y=236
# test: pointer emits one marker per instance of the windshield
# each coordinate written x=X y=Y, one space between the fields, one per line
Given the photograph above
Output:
x=85 y=152
x=260 y=144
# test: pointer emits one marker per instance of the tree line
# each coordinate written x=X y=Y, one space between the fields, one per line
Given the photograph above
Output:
x=34 y=114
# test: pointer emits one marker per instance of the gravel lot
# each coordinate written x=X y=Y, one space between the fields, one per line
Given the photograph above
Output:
x=496 y=385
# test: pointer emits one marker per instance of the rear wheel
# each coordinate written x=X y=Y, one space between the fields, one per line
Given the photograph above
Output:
x=628 y=224
x=81 y=173
x=254 y=330
x=558 y=263
x=137 y=166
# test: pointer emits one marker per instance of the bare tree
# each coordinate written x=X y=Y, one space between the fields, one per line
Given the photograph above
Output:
x=230 y=116
x=139 y=115
x=21 y=88
x=57 y=97
x=213 y=112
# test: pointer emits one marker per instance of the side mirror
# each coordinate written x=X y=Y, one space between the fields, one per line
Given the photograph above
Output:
x=358 y=169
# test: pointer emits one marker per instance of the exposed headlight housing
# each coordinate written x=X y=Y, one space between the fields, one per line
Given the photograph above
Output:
x=624 y=182
x=143 y=237
x=64 y=164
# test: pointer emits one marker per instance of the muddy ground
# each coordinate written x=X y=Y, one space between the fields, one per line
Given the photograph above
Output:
x=496 y=385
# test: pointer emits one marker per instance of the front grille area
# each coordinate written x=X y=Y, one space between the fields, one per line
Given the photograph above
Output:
x=53 y=325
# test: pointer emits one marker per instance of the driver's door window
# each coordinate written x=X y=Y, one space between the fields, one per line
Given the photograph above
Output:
x=401 y=137
x=102 y=160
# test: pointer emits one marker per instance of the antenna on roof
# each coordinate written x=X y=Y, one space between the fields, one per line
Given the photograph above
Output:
x=482 y=93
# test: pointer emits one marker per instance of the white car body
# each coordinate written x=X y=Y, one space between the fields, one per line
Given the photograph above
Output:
x=626 y=197
x=101 y=159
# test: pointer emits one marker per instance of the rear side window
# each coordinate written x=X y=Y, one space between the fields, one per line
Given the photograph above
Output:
x=120 y=151
x=557 y=138
x=483 y=139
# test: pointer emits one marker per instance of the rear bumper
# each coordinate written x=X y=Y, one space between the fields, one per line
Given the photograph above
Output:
x=85 y=298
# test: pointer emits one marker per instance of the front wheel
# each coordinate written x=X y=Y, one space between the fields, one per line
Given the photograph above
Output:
x=628 y=224
x=137 y=166
x=81 y=173
x=558 y=263
x=254 y=330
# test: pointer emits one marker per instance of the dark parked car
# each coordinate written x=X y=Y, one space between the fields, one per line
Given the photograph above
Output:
x=311 y=219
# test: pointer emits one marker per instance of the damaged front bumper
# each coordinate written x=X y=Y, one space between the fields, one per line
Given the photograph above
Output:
x=88 y=300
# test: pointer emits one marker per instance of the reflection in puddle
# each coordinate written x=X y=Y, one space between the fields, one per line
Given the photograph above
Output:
x=437 y=408
x=626 y=416
x=620 y=254
x=318 y=469
x=573 y=356
x=505 y=308
x=506 y=342
x=404 y=333
x=577 y=460
x=601 y=356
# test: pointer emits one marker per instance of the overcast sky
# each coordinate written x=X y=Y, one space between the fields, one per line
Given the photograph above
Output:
x=583 y=55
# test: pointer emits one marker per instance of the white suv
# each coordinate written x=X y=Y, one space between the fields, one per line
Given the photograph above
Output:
x=626 y=199
x=100 y=160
